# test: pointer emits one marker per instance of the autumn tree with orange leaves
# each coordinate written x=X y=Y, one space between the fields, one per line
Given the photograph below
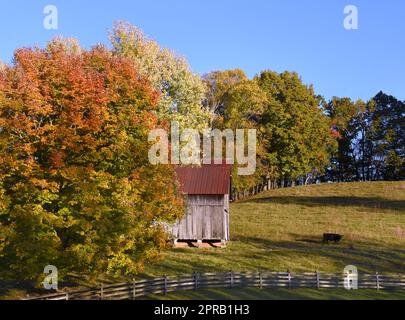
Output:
x=76 y=188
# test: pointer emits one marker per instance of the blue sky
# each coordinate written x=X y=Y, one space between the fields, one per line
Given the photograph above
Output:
x=306 y=36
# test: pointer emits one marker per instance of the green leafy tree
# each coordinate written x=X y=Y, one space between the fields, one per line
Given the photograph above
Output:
x=371 y=139
x=343 y=113
x=296 y=133
x=219 y=83
x=243 y=105
x=388 y=128
x=237 y=103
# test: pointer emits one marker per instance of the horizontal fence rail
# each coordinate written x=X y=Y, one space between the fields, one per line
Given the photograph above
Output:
x=196 y=281
x=267 y=184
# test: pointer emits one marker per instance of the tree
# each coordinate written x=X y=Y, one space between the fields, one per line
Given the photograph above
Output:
x=296 y=133
x=394 y=166
x=294 y=136
x=388 y=123
x=243 y=105
x=343 y=113
x=219 y=83
x=237 y=103
x=182 y=92
x=363 y=142
x=76 y=188
x=371 y=139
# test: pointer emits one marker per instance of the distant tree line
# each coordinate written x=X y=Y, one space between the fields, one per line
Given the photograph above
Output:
x=370 y=138
x=304 y=139
x=293 y=132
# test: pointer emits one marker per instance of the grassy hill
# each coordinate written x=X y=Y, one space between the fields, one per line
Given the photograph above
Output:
x=282 y=230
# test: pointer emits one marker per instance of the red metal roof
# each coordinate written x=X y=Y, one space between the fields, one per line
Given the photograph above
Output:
x=206 y=179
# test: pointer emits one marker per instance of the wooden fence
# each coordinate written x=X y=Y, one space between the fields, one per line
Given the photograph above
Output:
x=260 y=188
x=196 y=281
x=269 y=184
x=240 y=195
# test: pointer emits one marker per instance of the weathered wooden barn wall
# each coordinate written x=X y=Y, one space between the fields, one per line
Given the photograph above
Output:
x=206 y=218
x=206 y=188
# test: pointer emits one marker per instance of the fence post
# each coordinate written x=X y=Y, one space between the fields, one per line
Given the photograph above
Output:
x=377 y=276
x=261 y=280
x=231 y=278
x=318 y=284
x=67 y=295
x=195 y=281
x=102 y=292
x=289 y=279
x=133 y=289
x=165 y=285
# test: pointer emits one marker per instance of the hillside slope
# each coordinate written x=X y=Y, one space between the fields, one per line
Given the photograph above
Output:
x=282 y=230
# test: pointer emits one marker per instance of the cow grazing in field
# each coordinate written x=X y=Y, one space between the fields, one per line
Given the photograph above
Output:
x=331 y=237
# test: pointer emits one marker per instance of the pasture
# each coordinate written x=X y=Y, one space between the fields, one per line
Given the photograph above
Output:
x=282 y=230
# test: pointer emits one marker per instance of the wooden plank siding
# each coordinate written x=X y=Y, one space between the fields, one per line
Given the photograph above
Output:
x=206 y=218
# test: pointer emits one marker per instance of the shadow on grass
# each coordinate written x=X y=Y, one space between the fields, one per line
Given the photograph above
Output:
x=255 y=253
x=18 y=289
x=13 y=289
x=368 y=257
x=344 y=201
x=280 y=294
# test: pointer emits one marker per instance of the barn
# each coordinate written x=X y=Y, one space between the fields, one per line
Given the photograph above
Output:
x=207 y=191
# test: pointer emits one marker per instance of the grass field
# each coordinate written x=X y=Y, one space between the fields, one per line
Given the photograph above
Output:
x=281 y=294
x=282 y=230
